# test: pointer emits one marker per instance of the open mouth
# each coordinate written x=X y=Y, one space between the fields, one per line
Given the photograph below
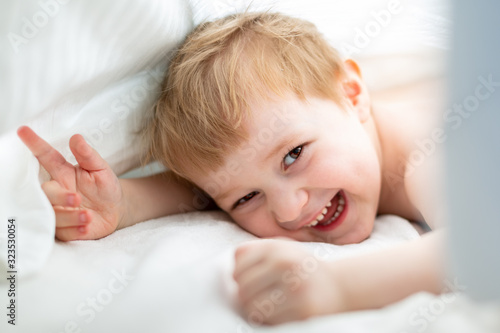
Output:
x=332 y=214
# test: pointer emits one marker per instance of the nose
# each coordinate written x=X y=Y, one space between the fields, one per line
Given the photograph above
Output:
x=287 y=206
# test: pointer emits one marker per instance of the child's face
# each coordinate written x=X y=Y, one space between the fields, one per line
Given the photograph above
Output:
x=313 y=159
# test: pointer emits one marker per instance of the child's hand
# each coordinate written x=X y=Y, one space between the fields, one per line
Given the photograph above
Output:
x=279 y=281
x=87 y=198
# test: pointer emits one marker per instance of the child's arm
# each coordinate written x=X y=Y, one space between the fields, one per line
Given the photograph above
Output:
x=160 y=195
x=90 y=202
x=282 y=282
x=381 y=278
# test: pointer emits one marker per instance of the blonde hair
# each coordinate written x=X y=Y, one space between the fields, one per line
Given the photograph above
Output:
x=223 y=67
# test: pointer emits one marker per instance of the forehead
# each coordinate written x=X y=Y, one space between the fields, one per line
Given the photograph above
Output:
x=271 y=120
x=268 y=119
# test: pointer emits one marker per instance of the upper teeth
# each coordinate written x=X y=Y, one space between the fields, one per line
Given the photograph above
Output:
x=321 y=215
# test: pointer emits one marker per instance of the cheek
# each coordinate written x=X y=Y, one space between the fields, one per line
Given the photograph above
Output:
x=351 y=163
x=365 y=163
x=257 y=222
x=365 y=171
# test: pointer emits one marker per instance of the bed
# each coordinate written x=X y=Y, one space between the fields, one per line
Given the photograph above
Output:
x=94 y=67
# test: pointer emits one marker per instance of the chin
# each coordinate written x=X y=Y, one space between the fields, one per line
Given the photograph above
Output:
x=359 y=234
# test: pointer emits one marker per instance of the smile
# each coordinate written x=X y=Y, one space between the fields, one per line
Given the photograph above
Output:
x=332 y=214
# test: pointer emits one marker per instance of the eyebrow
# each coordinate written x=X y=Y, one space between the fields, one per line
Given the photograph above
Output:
x=278 y=148
x=224 y=195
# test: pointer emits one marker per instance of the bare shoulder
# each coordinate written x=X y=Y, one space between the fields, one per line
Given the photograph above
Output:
x=424 y=188
x=416 y=113
x=424 y=157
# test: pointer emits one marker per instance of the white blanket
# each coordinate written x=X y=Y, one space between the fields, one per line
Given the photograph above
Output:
x=174 y=275
x=93 y=67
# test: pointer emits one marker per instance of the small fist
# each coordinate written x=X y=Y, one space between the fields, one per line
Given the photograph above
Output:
x=279 y=281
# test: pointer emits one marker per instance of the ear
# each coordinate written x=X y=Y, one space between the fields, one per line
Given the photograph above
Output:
x=355 y=90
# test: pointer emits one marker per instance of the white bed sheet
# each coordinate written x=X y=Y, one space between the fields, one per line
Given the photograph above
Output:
x=174 y=275
x=180 y=265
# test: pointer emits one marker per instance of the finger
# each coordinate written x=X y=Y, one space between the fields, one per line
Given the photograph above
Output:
x=283 y=313
x=59 y=196
x=268 y=303
x=71 y=217
x=247 y=256
x=49 y=158
x=254 y=282
x=72 y=233
x=85 y=155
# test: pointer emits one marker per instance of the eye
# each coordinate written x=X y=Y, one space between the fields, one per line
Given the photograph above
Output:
x=245 y=199
x=292 y=156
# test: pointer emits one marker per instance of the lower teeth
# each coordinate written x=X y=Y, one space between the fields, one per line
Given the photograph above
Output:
x=329 y=221
x=333 y=218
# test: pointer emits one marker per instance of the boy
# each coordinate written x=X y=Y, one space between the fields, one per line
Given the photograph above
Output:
x=260 y=112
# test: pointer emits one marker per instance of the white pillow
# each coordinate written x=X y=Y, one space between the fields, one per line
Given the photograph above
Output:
x=83 y=66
